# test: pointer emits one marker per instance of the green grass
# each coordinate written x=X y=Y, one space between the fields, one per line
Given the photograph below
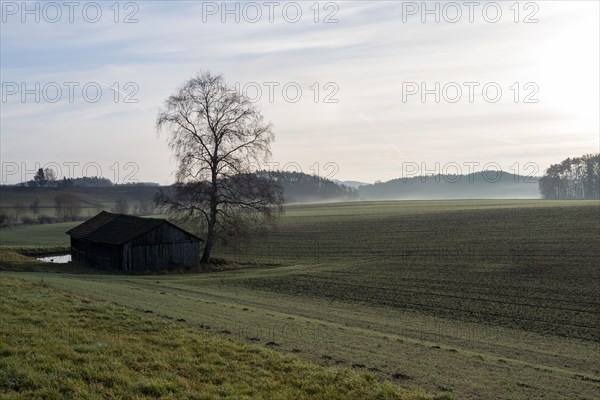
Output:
x=92 y=199
x=478 y=299
x=60 y=345
x=42 y=236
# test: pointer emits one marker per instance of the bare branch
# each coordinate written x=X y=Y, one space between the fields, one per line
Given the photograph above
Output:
x=217 y=135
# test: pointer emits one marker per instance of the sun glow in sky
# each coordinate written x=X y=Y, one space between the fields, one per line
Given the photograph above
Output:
x=360 y=67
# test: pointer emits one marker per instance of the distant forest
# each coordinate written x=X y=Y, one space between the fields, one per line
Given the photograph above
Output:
x=573 y=178
x=303 y=188
x=46 y=177
x=45 y=199
x=478 y=185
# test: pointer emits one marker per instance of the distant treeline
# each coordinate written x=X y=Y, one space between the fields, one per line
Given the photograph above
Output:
x=47 y=178
x=299 y=187
x=45 y=199
x=573 y=178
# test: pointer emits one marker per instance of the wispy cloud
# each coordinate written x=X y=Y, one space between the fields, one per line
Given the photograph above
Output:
x=369 y=54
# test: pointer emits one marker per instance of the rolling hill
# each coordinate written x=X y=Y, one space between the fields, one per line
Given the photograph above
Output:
x=478 y=185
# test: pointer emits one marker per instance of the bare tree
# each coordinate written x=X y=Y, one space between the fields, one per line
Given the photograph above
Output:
x=121 y=205
x=18 y=207
x=4 y=219
x=146 y=207
x=67 y=205
x=50 y=176
x=58 y=206
x=218 y=137
x=35 y=207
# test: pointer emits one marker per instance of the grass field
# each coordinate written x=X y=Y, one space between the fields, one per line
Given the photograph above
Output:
x=48 y=235
x=92 y=199
x=474 y=299
x=58 y=345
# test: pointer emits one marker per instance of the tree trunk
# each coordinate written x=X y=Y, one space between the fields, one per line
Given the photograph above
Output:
x=212 y=220
x=210 y=236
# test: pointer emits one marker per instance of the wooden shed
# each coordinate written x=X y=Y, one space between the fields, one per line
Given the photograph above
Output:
x=117 y=242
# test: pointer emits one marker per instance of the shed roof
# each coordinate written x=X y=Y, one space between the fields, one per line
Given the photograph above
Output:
x=117 y=228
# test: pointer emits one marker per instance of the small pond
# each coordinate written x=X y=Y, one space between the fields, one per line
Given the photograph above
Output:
x=58 y=259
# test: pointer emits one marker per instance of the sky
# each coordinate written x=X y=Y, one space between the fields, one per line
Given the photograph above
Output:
x=357 y=90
